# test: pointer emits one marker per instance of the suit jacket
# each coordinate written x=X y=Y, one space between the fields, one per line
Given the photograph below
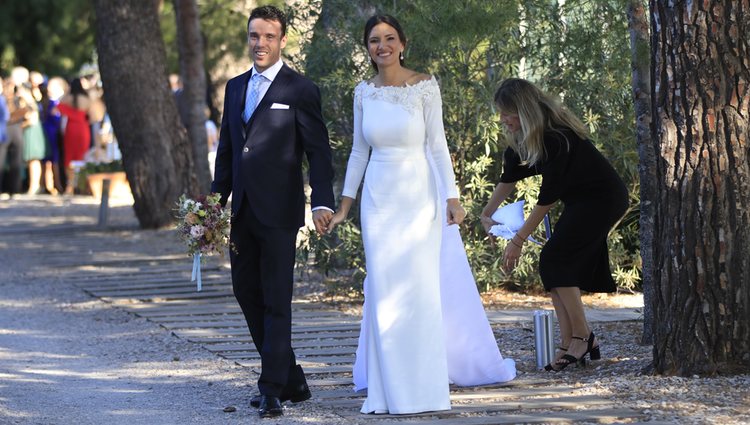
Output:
x=263 y=160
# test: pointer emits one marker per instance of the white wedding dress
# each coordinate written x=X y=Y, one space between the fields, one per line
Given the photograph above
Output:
x=413 y=338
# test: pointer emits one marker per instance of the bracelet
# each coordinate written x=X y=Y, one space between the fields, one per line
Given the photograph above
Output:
x=514 y=243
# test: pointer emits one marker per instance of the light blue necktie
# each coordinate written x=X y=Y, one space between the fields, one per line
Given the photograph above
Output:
x=251 y=97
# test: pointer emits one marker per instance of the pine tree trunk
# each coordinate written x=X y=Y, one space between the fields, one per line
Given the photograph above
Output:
x=193 y=75
x=641 y=84
x=701 y=246
x=157 y=155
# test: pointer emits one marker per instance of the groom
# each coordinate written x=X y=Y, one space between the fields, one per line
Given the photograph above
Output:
x=271 y=118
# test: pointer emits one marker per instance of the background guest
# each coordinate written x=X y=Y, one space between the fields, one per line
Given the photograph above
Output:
x=12 y=148
x=52 y=92
x=77 y=136
x=34 y=144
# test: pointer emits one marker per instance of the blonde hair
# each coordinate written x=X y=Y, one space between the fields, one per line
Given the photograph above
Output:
x=537 y=112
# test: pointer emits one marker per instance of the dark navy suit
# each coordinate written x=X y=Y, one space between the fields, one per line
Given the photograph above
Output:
x=260 y=163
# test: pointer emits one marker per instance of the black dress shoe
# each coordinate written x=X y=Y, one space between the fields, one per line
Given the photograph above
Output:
x=297 y=394
x=270 y=407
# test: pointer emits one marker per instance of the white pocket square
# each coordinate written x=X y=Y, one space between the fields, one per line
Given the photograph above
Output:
x=279 y=106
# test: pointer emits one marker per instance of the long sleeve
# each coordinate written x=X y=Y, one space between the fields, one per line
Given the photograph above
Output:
x=355 y=168
x=314 y=136
x=222 y=182
x=437 y=145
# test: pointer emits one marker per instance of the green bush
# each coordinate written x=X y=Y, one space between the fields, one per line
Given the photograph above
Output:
x=470 y=46
x=93 y=168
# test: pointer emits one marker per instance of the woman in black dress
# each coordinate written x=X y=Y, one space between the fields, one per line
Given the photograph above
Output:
x=545 y=138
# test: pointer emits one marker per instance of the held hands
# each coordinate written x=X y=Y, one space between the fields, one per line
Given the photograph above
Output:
x=340 y=215
x=337 y=219
x=322 y=218
x=455 y=213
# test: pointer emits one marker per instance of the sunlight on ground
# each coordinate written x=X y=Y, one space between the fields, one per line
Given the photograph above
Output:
x=7 y=413
x=499 y=299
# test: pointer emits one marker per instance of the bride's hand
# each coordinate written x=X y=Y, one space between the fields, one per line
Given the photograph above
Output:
x=336 y=219
x=455 y=212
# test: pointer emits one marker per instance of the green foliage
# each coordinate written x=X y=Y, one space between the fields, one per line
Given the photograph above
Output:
x=224 y=29
x=471 y=45
x=49 y=36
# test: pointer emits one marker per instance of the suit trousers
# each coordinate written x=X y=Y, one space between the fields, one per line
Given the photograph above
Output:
x=262 y=279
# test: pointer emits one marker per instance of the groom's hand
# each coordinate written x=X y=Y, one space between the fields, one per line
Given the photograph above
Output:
x=321 y=218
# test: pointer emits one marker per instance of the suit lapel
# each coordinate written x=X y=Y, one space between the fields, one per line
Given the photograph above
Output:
x=238 y=102
x=275 y=90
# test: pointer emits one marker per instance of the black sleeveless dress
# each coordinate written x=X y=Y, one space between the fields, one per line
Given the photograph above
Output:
x=594 y=198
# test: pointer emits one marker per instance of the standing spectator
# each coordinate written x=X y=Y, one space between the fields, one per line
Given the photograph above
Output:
x=34 y=143
x=4 y=116
x=12 y=148
x=77 y=136
x=175 y=83
x=212 y=137
x=96 y=113
x=52 y=92
x=36 y=83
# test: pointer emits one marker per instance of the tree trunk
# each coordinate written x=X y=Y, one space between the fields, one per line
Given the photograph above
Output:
x=641 y=84
x=701 y=246
x=156 y=153
x=193 y=75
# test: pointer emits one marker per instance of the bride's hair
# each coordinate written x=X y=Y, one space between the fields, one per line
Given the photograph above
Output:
x=383 y=19
x=537 y=112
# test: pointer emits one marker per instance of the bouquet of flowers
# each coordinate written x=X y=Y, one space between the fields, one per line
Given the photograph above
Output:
x=203 y=225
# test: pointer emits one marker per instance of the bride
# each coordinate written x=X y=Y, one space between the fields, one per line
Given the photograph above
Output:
x=423 y=324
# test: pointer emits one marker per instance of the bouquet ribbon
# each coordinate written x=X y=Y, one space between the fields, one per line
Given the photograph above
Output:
x=196 y=276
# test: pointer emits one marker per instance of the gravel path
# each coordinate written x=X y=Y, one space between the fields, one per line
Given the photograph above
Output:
x=67 y=358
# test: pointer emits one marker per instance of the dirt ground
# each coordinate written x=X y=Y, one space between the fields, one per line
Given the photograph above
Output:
x=68 y=358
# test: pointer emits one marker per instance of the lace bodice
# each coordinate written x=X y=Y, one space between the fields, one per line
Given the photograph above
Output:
x=411 y=97
x=399 y=122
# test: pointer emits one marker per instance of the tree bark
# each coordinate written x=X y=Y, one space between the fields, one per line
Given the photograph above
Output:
x=700 y=112
x=193 y=75
x=156 y=153
x=641 y=84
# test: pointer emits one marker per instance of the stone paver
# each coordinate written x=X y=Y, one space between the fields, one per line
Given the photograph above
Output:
x=153 y=282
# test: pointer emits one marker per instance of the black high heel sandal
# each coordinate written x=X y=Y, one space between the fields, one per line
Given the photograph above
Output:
x=593 y=352
x=549 y=367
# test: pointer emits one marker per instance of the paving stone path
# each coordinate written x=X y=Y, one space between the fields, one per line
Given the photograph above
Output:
x=156 y=286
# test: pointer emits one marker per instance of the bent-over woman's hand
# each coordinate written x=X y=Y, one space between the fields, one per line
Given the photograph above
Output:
x=512 y=255
x=487 y=223
x=454 y=212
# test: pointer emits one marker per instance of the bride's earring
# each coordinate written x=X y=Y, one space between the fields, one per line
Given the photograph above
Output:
x=401 y=55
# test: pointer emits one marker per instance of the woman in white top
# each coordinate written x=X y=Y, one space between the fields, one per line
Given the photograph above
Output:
x=406 y=352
